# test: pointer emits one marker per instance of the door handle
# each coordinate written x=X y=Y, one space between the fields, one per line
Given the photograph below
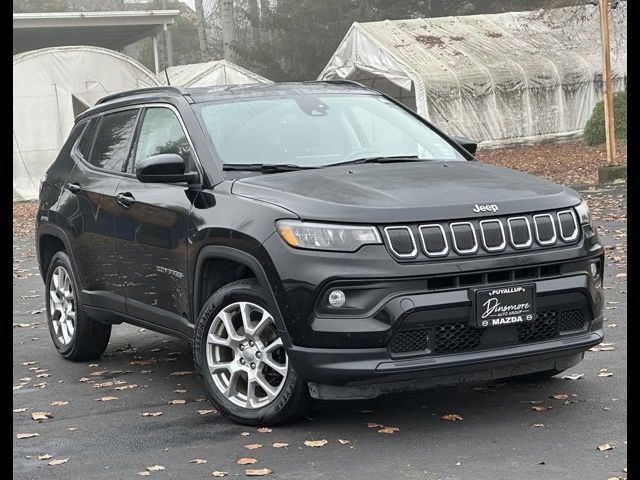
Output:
x=125 y=199
x=73 y=187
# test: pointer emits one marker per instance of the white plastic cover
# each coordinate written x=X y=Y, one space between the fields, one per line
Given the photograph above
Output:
x=208 y=74
x=495 y=78
x=50 y=87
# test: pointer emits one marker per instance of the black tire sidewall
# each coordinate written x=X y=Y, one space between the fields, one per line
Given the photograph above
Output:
x=267 y=415
x=61 y=259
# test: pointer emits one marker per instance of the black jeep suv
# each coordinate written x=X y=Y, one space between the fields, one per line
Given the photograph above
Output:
x=312 y=240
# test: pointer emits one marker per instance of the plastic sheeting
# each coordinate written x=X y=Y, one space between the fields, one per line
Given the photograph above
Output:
x=209 y=74
x=50 y=87
x=495 y=78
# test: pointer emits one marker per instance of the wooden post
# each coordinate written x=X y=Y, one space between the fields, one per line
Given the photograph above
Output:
x=608 y=82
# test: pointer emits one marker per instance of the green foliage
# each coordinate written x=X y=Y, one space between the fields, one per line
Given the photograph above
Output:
x=594 y=130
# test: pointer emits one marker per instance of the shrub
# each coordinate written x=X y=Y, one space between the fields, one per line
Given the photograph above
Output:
x=594 y=132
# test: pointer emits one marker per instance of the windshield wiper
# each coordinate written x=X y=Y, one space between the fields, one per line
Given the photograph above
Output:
x=264 y=167
x=395 y=159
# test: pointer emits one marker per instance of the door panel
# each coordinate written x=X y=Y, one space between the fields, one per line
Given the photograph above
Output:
x=152 y=229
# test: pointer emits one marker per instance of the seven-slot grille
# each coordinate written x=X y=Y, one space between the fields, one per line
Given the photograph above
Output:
x=483 y=236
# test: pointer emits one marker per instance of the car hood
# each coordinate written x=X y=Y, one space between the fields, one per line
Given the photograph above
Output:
x=405 y=192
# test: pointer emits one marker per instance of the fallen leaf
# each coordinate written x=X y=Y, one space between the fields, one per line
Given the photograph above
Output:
x=26 y=364
x=264 y=430
x=59 y=461
x=198 y=461
x=22 y=325
x=621 y=275
x=177 y=402
x=19 y=410
x=143 y=362
x=205 y=412
x=560 y=396
x=374 y=425
x=144 y=473
x=253 y=446
x=180 y=391
x=38 y=416
x=150 y=414
x=72 y=429
x=573 y=376
x=244 y=434
x=46 y=456
x=604 y=447
x=246 y=461
x=155 y=468
x=93 y=365
x=59 y=403
x=315 y=443
x=217 y=473
x=106 y=399
x=181 y=373
x=280 y=445
x=452 y=417
x=537 y=425
x=259 y=472
x=126 y=387
x=541 y=408
x=98 y=373
x=344 y=442
x=27 y=435
x=605 y=374
x=389 y=430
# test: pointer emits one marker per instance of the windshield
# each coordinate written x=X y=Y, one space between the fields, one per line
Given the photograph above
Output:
x=316 y=131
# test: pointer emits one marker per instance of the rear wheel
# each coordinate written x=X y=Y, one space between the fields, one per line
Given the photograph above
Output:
x=75 y=336
x=242 y=361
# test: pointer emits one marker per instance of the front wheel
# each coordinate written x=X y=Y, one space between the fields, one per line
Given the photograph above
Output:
x=242 y=361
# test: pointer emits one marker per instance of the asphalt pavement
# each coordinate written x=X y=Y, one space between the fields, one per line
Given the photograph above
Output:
x=505 y=431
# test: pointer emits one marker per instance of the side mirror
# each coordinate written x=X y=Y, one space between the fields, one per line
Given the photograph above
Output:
x=164 y=168
x=469 y=145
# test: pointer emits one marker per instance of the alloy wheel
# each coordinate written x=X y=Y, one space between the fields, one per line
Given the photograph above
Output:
x=62 y=305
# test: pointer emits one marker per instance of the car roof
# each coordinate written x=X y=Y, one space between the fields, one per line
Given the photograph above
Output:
x=225 y=92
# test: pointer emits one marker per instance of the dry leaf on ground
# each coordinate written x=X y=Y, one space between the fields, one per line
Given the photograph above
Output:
x=253 y=446
x=264 y=430
x=259 y=472
x=604 y=447
x=198 y=461
x=605 y=374
x=246 y=461
x=58 y=461
x=150 y=414
x=389 y=430
x=26 y=435
x=155 y=468
x=181 y=373
x=46 y=456
x=541 y=408
x=218 y=473
x=205 y=412
x=144 y=473
x=573 y=376
x=344 y=442
x=315 y=443
x=39 y=416
x=280 y=445
x=19 y=410
x=106 y=399
x=59 y=403
x=560 y=396
x=177 y=402
x=452 y=417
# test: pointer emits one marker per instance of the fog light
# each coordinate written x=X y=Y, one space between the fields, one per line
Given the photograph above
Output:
x=337 y=298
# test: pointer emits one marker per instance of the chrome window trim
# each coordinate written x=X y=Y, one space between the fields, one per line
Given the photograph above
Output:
x=455 y=244
x=553 y=225
x=441 y=253
x=576 y=231
x=413 y=241
x=500 y=247
x=513 y=243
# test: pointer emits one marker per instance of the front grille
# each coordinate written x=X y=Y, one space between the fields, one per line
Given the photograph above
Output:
x=410 y=341
x=482 y=236
x=571 y=320
x=545 y=229
x=457 y=337
x=434 y=240
x=401 y=241
x=464 y=237
x=542 y=328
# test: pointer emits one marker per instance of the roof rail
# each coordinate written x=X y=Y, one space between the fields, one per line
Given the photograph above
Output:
x=139 y=91
x=339 y=81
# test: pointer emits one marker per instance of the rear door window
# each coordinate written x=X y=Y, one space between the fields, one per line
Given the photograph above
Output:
x=113 y=140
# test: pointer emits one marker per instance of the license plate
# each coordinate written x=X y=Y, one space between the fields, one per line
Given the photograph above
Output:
x=501 y=306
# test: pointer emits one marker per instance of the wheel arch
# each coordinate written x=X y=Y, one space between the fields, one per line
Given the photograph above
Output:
x=224 y=253
x=46 y=233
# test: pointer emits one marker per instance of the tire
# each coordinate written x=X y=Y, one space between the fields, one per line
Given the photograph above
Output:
x=78 y=339
x=289 y=393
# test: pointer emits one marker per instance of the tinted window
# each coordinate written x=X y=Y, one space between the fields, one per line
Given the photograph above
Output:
x=112 y=141
x=84 y=145
x=161 y=132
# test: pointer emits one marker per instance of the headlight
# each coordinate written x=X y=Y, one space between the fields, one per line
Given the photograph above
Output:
x=583 y=213
x=320 y=236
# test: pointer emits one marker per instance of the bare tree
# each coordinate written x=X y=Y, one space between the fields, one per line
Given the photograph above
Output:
x=228 y=29
x=202 y=32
